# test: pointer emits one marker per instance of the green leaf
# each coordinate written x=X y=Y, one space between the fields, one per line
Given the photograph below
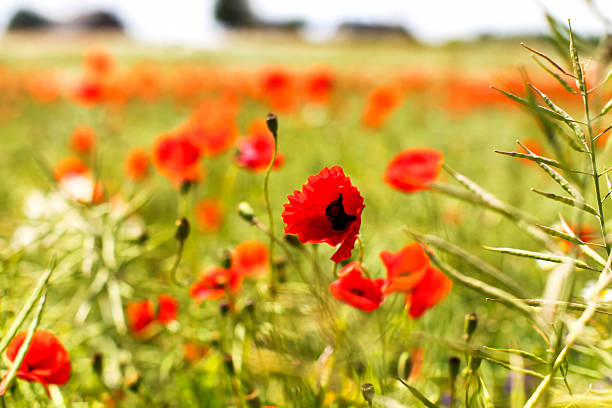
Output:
x=544 y=257
x=538 y=108
x=571 y=122
x=533 y=157
x=417 y=394
x=27 y=307
x=485 y=268
x=568 y=201
x=571 y=238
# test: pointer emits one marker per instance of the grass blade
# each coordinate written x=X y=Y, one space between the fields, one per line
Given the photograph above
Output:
x=417 y=394
x=568 y=201
x=544 y=257
x=12 y=373
x=27 y=307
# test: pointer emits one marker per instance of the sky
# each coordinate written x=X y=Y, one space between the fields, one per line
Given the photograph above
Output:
x=191 y=22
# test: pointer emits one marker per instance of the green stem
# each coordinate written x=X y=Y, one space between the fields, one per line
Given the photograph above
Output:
x=602 y=220
x=273 y=277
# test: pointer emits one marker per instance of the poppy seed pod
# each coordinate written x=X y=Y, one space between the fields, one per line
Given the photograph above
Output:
x=246 y=211
x=97 y=363
x=471 y=322
x=368 y=392
x=182 y=229
x=453 y=367
x=272 y=122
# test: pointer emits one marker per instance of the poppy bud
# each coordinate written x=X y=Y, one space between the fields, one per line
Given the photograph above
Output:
x=96 y=363
x=368 y=392
x=471 y=322
x=249 y=306
x=226 y=259
x=186 y=186
x=224 y=307
x=475 y=363
x=182 y=229
x=404 y=365
x=272 y=122
x=293 y=240
x=453 y=367
x=133 y=381
x=246 y=211
x=228 y=363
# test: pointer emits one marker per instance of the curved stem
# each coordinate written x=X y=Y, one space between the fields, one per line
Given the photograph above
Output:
x=273 y=277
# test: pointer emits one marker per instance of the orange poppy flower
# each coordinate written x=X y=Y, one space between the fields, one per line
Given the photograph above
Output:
x=136 y=165
x=433 y=288
x=83 y=139
x=69 y=166
x=319 y=85
x=140 y=315
x=209 y=214
x=414 y=169
x=98 y=62
x=250 y=259
x=380 y=104
x=405 y=268
x=167 y=308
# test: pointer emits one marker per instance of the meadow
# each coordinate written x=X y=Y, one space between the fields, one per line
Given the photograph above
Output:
x=126 y=231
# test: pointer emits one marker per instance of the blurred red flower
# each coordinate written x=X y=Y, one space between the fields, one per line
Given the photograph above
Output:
x=209 y=214
x=433 y=288
x=46 y=360
x=356 y=290
x=176 y=157
x=405 y=268
x=380 y=103
x=212 y=125
x=319 y=85
x=214 y=284
x=75 y=180
x=83 y=139
x=256 y=150
x=167 y=308
x=98 y=62
x=136 y=165
x=194 y=352
x=140 y=315
x=328 y=209
x=250 y=259
x=69 y=166
x=414 y=169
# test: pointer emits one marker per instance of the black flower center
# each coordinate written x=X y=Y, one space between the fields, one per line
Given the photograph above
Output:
x=357 y=292
x=336 y=215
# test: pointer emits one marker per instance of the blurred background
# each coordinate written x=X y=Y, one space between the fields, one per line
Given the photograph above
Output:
x=208 y=23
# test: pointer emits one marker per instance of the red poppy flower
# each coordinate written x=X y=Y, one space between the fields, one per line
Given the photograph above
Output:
x=46 y=360
x=380 y=103
x=212 y=125
x=214 y=284
x=319 y=85
x=167 y=308
x=90 y=92
x=356 y=290
x=69 y=166
x=194 y=352
x=176 y=157
x=405 y=268
x=414 y=169
x=136 y=166
x=98 y=61
x=433 y=288
x=140 y=315
x=209 y=214
x=82 y=139
x=250 y=259
x=328 y=209
x=256 y=150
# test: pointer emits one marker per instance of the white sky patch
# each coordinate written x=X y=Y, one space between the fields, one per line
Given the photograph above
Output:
x=191 y=22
